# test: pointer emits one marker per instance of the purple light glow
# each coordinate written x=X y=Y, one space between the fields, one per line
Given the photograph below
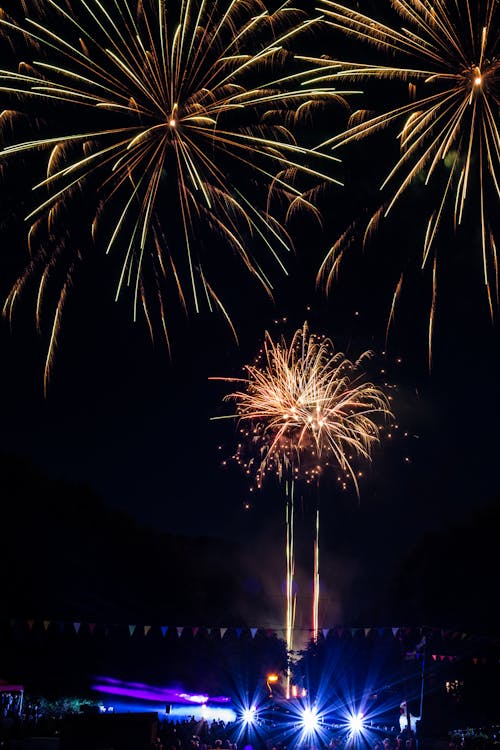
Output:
x=141 y=691
x=146 y=695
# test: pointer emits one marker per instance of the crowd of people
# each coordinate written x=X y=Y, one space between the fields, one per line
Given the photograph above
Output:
x=193 y=734
x=10 y=704
x=217 y=735
x=190 y=734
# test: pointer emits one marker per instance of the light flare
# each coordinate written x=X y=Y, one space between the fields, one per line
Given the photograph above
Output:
x=356 y=723
x=249 y=715
x=309 y=720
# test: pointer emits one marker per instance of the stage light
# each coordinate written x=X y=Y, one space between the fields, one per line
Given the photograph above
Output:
x=249 y=715
x=309 y=720
x=356 y=723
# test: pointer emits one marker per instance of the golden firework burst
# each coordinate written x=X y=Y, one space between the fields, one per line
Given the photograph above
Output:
x=305 y=406
x=302 y=408
x=447 y=53
x=161 y=127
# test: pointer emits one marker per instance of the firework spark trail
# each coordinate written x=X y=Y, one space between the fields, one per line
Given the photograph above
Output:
x=315 y=607
x=290 y=597
x=168 y=121
x=304 y=407
x=448 y=54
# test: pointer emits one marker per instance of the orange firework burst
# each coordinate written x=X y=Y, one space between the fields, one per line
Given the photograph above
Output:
x=447 y=52
x=306 y=406
x=158 y=127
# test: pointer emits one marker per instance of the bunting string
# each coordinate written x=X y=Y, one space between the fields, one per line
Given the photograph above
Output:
x=415 y=641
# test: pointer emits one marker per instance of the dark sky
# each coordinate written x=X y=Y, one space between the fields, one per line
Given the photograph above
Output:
x=134 y=426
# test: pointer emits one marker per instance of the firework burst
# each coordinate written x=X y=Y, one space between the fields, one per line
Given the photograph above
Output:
x=447 y=52
x=305 y=407
x=176 y=126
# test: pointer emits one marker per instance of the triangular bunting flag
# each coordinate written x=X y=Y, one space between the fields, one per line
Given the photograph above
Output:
x=381 y=631
x=395 y=631
x=179 y=631
x=76 y=626
x=195 y=632
x=91 y=627
x=147 y=628
x=325 y=632
x=354 y=631
x=30 y=624
x=223 y=632
x=339 y=632
x=253 y=631
x=131 y=629
x=164 y=629
x=367 y=632
x=46 y=624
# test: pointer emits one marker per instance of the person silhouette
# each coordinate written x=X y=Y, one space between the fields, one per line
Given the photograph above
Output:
x=407 y=721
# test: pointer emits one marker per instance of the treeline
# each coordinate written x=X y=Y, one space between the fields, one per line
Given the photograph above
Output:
x=64 y=554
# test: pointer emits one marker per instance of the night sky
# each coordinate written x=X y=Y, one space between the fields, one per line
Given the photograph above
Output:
x=135 y=426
